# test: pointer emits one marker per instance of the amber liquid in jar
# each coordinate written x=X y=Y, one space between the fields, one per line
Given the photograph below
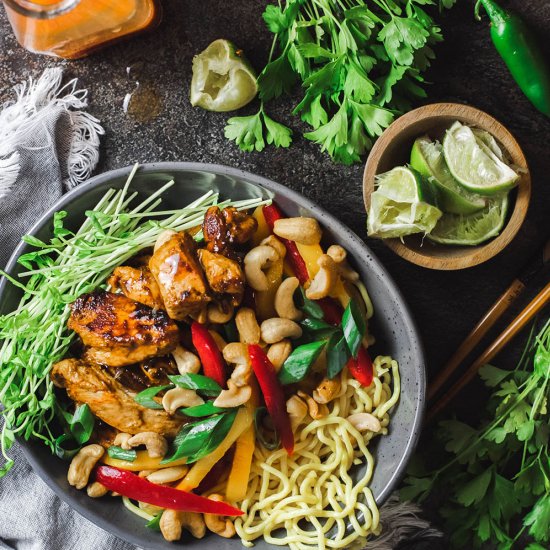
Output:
x=74 y=28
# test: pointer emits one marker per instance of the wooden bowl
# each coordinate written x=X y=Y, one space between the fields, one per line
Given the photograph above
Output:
x=393 y=149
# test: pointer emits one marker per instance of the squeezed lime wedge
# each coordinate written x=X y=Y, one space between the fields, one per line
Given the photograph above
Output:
x=400 y=205
x=473 y=164
x=223 y=80
x=427 y=158
x=473 y=229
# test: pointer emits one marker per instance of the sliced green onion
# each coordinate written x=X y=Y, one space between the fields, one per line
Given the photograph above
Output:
x=197 y=382
x=122 y=454
x=154 y=524
x=353 y=326
x=338 y=354
x=317 y=329
x=206 y=409
x=270 y=444
x=309 y=307
x=136 y=509
x=61 y=451
x=298 y=363
x=80 y=424
x=145 y=397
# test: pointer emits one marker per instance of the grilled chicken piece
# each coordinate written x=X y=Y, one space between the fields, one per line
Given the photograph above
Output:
x=109 y=400
x=120 y=331
x=137 y=283
x=180 y=278
x=153 y=372
x=224 y=275
x=223 y=229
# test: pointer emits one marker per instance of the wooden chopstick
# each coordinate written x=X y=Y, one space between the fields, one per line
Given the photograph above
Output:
x=532 y=268
x=537 y=304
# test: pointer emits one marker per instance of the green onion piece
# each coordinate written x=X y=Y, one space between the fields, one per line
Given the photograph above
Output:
x=338 y=354
x=317 y=329
x=270 y=444
x=206 y=409
x=200 y=438
x=122 y=454
x=298 y=363
x=61 y=451
x=145 y=397
x=309 y=307
x=231 y=334
x=197 y=382
x=354 y=327
x=154 y=524
x=80 y=424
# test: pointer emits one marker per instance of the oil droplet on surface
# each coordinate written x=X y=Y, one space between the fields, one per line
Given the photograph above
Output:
x=144 y=103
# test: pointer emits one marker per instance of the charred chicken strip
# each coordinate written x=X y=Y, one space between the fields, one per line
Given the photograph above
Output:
x=180 y=278
x=224 y=275
x=109 y=400
x=119 y=331
x=138 y=284
x=224 y=229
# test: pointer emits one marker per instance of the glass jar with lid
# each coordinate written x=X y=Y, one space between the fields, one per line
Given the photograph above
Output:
x=75 y=28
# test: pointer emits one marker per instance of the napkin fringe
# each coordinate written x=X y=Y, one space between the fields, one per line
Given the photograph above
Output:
x=20 y=119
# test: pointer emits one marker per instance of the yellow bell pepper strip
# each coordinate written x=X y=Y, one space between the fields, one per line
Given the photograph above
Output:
x=237 y=483
x=262 y=231
x=273 y=393
x=198 y=472
x=132 y=486
x=142 y=462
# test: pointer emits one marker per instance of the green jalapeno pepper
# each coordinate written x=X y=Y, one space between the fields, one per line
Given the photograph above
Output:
x=517 y=46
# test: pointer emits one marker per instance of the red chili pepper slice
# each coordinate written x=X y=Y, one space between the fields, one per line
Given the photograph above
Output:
x=132 y=486
x=332 y=310
x=273 y=395
x=212 y=362
x=361 y=368
x=272 y=213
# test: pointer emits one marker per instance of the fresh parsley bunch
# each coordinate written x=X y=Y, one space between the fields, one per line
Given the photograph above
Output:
x=360 y=63
x=497 y=481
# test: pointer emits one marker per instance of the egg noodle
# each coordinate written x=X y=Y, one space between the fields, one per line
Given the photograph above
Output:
x=311 y=496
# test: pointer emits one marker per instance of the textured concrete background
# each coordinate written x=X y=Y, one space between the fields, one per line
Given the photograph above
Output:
x=467 y=69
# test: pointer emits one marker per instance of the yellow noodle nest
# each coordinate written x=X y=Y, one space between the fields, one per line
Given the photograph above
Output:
x=311 y=493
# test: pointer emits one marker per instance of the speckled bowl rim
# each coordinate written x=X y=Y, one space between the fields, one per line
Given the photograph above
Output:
x=33 y=457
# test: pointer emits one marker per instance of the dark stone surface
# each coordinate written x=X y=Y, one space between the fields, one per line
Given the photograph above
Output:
x=468 y=69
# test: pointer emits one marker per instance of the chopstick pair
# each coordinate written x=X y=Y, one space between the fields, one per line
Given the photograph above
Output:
x=510 y=295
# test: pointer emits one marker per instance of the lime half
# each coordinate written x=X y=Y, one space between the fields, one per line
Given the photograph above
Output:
x=223 y=80
x=473 y=164
x=473 y=229
x=427 y=158
x=399 y=205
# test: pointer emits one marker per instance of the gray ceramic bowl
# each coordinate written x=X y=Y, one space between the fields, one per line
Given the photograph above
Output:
x=393 y=326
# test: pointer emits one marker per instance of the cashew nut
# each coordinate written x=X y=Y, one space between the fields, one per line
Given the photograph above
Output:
x=220 y=342
x=96 y=490
x=167 y=475
x=278 y=353
x=82 y=465
x=276 y=244
x=219 y=313
x=297 y=411
x=121 y=440
x=186 y=361
x=234 y=396
x=301 y=230
x=339 y=254
x=163 y=237
x=180 y=397
x=276 y=329
x=315 y=410
x=256 y=262
x=145 y=473
x=327 y=390
x=364 y=422
x=217 y=524
x=200 y=316
x=172 y=522
x=150 y=508
x=237 y=354
x=325 y=279
x=156 y=444
x=284 y=300
x=247 y=325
